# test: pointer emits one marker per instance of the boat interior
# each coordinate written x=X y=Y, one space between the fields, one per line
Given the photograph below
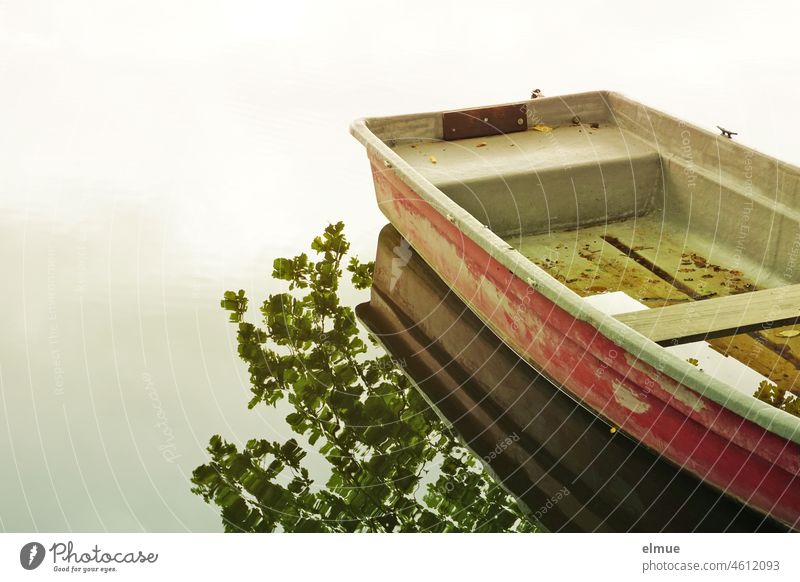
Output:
x=698 y=236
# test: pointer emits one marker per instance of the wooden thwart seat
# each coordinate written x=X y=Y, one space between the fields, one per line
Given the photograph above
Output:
x=710 y=318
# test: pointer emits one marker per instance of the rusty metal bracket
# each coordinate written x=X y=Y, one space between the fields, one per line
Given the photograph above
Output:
x=467 y=123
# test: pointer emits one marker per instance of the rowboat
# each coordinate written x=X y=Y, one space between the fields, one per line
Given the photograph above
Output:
x=644 y=265
x=566 y=466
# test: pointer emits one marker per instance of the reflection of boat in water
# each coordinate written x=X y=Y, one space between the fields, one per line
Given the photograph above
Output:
x=561 y=460
x=605 y=242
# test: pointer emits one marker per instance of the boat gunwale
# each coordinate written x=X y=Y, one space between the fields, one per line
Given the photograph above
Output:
x=750 y=408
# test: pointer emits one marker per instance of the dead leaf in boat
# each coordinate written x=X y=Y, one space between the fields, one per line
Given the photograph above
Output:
x=433 y=159
x=789 y=333
x=541 y=127
x=597 y=289
x=481 y=145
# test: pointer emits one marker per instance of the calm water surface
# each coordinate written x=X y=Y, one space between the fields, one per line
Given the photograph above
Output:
x=117 y=365
x=124 y=215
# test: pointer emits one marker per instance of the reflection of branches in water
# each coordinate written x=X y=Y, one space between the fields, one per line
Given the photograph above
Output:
x=380 y=438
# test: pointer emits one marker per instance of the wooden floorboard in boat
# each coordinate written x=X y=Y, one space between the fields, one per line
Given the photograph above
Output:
x=623 y=257
x=687 y=268
x=589 y=266
x=704 y=280
x=720 y=316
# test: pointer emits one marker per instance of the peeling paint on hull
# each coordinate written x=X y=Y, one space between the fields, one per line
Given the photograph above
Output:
x=733 y=454
x=627 y=398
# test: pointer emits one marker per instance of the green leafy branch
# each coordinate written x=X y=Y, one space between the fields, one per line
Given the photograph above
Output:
x=361 y=414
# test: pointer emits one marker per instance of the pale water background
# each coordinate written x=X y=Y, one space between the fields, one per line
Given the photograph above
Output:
x=154 y=154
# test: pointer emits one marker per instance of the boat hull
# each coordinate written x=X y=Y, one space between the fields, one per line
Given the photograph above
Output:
x=556 y=457
x=733 y=454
